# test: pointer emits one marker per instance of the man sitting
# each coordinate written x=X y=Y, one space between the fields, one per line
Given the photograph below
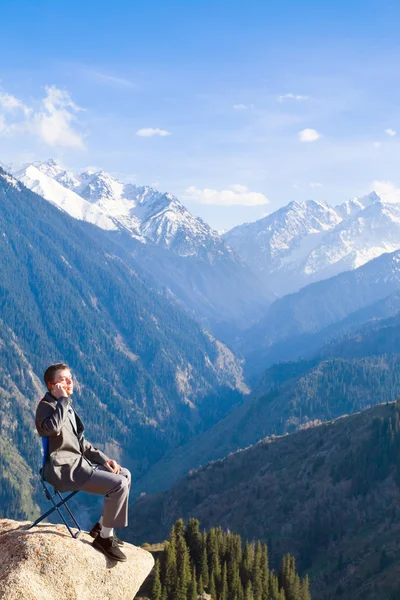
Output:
x=74 y=464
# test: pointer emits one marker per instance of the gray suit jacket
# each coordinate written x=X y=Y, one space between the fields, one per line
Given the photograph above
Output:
x=70 y=458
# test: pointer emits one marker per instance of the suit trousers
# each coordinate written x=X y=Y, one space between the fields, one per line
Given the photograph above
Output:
x=115 y=489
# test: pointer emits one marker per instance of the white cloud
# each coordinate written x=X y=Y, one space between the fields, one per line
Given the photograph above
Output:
x=376 y=144
x=292 y=96
x=243 y=106
x=386 y=190
x=150 y=131
x=390 y=132
x=237 y=194
x=52 y=122
x=9 y=103
x=308 y=135
x=316 y=184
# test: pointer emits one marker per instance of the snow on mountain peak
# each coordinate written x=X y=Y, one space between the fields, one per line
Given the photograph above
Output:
x=310 y=241
x=144 y=212
x=67 y=200
x=8 y=178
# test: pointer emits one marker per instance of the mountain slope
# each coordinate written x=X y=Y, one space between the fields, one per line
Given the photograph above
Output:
x=306 y=345
x=350 y=374
x=329 y=495
x=180 y=250
x=290 y=396
x=320 y=305
x=147 y=375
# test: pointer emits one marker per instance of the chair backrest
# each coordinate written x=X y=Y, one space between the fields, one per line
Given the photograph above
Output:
x=45 y=448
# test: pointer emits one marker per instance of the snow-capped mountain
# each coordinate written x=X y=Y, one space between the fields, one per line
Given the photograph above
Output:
x=149 y=215
x=310 y=241
x=181 y=252
x=50 y=189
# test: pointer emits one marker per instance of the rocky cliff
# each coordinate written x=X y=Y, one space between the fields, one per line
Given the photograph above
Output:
x=45 y=563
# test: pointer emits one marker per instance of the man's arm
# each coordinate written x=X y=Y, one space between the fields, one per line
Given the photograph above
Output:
x=98 y=457
x=49 y=419
x=95 y=455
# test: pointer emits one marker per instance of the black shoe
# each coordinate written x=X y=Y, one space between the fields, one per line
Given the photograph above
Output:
x=109 y=547
x=96 y=530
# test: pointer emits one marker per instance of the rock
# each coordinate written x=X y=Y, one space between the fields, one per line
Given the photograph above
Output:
x=46 y=563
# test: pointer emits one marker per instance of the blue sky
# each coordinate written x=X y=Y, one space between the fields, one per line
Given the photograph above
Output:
x=236 y=107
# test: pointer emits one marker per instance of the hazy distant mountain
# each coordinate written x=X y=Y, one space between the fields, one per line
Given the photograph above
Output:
x=320 y=305
x=311 y=241
x=181 y=251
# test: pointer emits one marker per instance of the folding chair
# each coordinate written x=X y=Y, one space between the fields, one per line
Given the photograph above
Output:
x=56 y=499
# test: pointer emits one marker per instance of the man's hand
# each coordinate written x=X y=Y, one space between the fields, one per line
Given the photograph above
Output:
x=58 y=391
x=113 y=466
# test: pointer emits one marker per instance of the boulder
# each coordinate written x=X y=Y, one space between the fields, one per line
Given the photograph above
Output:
x=46 y=563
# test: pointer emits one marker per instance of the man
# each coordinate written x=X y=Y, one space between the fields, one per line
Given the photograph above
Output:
x=74 y=464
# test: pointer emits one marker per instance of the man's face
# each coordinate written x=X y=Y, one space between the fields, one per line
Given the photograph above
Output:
x=64 y=377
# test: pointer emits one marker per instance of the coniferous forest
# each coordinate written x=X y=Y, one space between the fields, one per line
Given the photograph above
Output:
x=219 y=564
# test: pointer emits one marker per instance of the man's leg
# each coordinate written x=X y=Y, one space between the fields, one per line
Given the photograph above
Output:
x=115 y=489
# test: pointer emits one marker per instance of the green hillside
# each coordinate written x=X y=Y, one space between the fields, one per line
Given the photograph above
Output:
x=329 y=494
x=289 y=396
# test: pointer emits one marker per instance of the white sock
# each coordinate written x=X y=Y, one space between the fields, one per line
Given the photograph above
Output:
x=106 y=532
x=101 y=520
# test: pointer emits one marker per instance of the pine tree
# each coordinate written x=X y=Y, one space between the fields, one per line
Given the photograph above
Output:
x=247 y=562
x=273 y=593
x=183 y=568
x=237 y=592
x=192 y=595
x=156 y=592
x=179 y=528
x=249 y=592
x=170 y=578
x=233 y=572
x=223 y=595
x=213 y=555
x=212 y=589
x=264 y=571
x=204 y=566
x=194 y=541
x=200 y=586
x=289 y=579
x=305 y=589
x=256 y=574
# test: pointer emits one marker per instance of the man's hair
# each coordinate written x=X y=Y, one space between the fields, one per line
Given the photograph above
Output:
x=51 y=371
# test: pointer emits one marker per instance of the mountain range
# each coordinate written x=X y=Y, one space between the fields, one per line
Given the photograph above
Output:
x=147 y=374
x=310 y=241
x=138 y=296
x=182 y=252
x=327 y=304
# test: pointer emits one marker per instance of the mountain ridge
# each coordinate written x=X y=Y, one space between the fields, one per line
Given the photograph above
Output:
x=310 y=241
x=184 y=253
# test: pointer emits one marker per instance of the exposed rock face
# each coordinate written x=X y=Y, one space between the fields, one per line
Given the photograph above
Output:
x=46 y=563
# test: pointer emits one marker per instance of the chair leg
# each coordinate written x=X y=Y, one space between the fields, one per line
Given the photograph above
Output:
x=56 y=507
x=65 y=505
